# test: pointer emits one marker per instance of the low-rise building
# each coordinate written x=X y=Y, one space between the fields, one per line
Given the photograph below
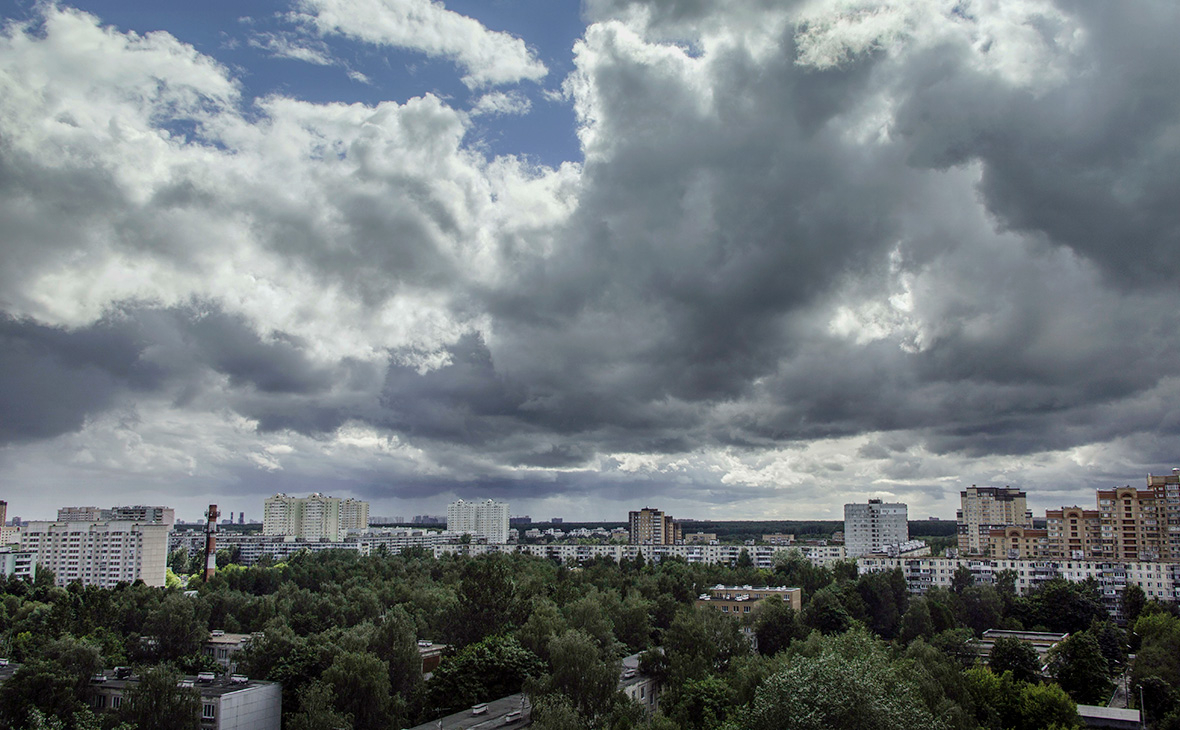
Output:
x=740 y=600
x=778 y=538
x=224 y=647
x=642 y=688
x=231 y=702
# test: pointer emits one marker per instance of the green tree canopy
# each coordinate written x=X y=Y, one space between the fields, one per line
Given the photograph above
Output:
x=850 y=684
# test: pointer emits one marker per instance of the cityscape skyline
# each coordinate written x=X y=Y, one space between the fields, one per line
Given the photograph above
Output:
x=740 y=260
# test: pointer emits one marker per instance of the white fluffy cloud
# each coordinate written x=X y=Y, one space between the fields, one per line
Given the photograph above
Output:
x=489 y=57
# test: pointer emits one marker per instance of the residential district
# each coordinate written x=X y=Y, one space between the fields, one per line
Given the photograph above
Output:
x=1128 y=542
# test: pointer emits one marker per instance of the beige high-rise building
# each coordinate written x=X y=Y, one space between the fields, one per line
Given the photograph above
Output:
x=1131 y=521
x=1074 y=533
x=99 y=553
x=314 y=517
x=1167 y=499
x=652 y=527
x=989 y=508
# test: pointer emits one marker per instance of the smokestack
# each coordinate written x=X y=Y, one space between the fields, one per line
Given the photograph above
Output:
x=211 y=541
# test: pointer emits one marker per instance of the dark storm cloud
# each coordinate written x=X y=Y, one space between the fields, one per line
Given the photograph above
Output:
x=1090 y=163
x=53 y=378
x=50 y=380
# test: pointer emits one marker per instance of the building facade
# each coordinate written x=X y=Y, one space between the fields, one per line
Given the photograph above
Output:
x=1074 y=533
x=99 y=553
x=136 y=513
x=487 y=519
x=1018 y=543
x=18 y=563
x=873 y=527
x=227 y=703
x=314 y=517
x=650 y=526
x=739 y=600
x=984 y=509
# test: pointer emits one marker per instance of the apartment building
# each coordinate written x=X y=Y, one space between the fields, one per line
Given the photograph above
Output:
x=136 y=513
x=984 y=509
x=1018 y=543
x=314 y=517
x=8 y=535
x=487 y=519
x=18 y=563
x=1167 y=498
x=99 y=553
x=1074 y=533
x=874 y=527
x=650 y=526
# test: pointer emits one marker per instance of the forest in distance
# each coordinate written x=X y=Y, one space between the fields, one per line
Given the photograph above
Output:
x=339 y=631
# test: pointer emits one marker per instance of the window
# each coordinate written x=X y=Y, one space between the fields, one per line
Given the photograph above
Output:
x=208 y=711
x=116 y=702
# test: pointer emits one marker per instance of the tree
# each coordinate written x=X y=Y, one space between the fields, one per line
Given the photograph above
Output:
x=543 y=624
x=155 y=701
x=699 y=704
x=962 y=579
x=1113 y=642
x=702 y=641
x=360 y=682
x=1132 y=602
x=744 y=560
x=317 y=710
x=1079 y=667
x=826 y=612
x=174 y=629
x=486 y=597
x=917 y=623
x=1013 y=655
x=490 y=669
x=850 y=684
x=56 y=683
x=776 y=625
x=395 y=642
x=580 y=673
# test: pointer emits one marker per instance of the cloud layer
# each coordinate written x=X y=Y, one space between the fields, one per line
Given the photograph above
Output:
x=837 y=248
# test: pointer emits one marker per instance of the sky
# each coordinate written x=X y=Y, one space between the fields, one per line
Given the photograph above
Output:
x=741 y=260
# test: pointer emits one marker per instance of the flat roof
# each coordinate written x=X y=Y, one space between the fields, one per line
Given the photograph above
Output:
x=1108 y=713
x=493 y=718
x=215 y=688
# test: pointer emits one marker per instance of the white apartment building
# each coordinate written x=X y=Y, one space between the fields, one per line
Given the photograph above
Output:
x=487 y=519
x=99 y=553
x=314 y=517
x=874 y=527
x=17 y=563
